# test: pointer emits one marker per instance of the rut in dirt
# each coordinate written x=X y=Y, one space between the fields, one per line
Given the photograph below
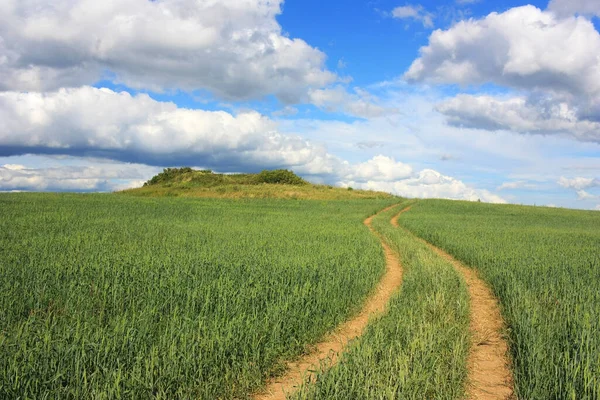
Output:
x=489 y=374
x=328 y=351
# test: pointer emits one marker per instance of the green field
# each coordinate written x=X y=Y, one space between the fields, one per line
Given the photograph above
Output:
x=544 y=266
x=108 y=296
x=418 y=349
x=133 y=296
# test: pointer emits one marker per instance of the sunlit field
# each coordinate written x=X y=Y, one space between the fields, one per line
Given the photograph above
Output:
x=106 y=296
x=544 y=266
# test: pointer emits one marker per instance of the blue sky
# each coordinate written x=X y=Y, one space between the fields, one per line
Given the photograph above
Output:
x=491 y=100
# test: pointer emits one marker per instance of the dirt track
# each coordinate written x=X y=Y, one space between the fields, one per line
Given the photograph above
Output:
x=489 y=372
x=334 y=344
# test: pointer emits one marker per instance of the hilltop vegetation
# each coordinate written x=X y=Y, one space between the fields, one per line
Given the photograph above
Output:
x=208 y=178
x=281 y=184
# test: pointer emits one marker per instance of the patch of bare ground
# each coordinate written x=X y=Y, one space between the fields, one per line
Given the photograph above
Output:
x=489 y=368
x=327 y=352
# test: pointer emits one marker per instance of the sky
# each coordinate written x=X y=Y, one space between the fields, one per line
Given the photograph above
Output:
x=497 y=101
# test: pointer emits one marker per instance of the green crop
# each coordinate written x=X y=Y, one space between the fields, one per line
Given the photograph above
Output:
x=106 y=296
x=418 y=348
x=544 y=266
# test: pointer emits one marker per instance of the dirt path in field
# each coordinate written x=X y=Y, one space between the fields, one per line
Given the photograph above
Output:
x=328 y=351
x=489 y=372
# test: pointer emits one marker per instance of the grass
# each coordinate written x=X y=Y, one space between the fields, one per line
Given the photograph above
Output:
x=206 y=184
x=113 y=296
x=138 y=295
x=418 y=349
x=544 y=266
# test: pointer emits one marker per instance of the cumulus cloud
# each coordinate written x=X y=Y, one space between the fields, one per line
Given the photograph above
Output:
x=379 y=168
x=415 y=12
x=579 y=183
x=549 y=59
x=581 y=186
x=235 y=49
x=570 y=7
x=519 y=114
x=583 y=195
x=107 y=177
x=100 y=122
x=524 y=48
x=428 y=184
x=359 y=104
x=517 y=185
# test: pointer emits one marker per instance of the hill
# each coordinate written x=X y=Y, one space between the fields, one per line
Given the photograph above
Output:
x=277 y=184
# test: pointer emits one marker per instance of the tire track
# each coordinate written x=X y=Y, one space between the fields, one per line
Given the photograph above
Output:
x=489 y=367
x=333 y=345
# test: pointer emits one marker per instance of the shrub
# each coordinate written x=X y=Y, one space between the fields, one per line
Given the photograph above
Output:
x=280 y=176
x=168 y=174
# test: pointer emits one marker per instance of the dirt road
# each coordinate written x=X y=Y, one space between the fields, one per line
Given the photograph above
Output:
x=328 y=351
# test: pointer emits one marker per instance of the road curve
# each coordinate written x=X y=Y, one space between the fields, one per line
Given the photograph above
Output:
x=489 y=368
x=327 y=352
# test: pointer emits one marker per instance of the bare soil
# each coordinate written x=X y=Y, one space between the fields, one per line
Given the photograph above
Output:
x=327 y=352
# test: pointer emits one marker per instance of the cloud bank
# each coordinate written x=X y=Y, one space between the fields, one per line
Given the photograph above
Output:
x=428 y=184
x=91 y=122
x=233 y=48
x=523 y=48
x=549 y=59
x=106 y=177
x=95 y=122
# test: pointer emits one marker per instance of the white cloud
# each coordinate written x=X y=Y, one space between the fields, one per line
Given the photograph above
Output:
x=416 y=12
x=105 y=177
x=87 y=121
x=233 y=48
x=523 y=47
x=429 y=184
x=379 y=168
x=579 y=183
x=359 y=104
x=14 y=167
x=551 y=60
x=583 y=195
x=571 y=7
x=100 y=122
x=519 y=114
x=597 y=207
x=517 y=185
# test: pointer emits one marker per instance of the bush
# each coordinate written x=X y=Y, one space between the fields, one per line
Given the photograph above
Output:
x=168 y=175
x=280 y=176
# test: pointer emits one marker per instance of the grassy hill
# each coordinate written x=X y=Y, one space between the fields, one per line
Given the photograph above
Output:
x=278 y=184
